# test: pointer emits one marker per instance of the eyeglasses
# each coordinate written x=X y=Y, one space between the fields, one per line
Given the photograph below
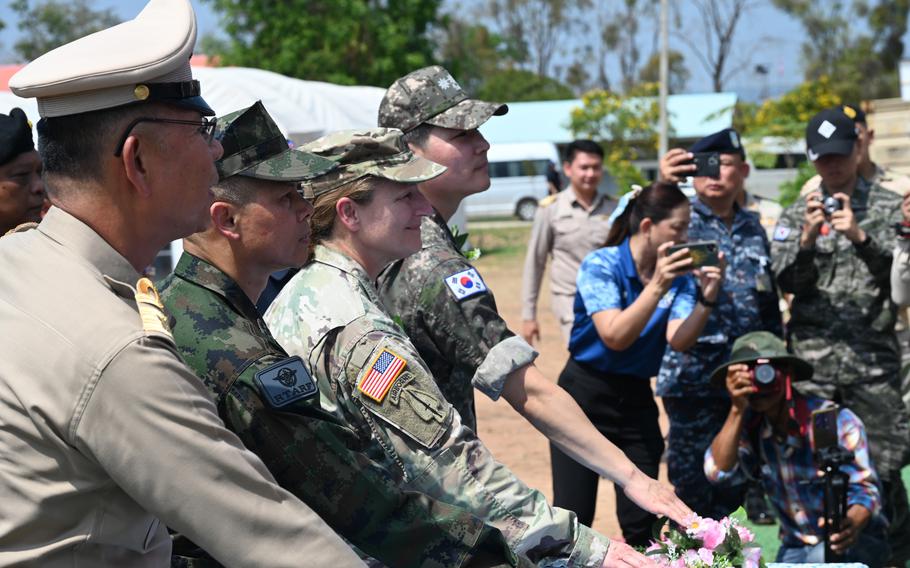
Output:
x=206 y=128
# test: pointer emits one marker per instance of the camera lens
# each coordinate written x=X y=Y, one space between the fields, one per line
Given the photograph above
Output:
x=764 y=374
x=831 y=204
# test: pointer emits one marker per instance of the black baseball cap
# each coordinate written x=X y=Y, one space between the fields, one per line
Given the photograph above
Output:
x=830 y=132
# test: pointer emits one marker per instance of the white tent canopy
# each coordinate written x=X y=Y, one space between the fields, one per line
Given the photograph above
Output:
x=304 y=110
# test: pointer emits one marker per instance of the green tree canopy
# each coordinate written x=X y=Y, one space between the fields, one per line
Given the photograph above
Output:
x=519 y=85
x=368 y=42
x=678 y=71
x=49 y=24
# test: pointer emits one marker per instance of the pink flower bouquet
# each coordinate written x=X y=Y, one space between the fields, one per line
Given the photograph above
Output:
x=706 y=543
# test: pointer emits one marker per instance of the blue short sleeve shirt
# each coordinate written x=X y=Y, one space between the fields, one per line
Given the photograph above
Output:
x=607 y=279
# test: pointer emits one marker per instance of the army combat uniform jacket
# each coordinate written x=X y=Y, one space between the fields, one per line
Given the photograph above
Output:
x=842 y=317
x=107 y=436
x=451 y=317
x=271 y=402
x=371 y=376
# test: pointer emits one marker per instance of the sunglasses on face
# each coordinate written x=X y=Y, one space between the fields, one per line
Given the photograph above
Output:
x=206 y=128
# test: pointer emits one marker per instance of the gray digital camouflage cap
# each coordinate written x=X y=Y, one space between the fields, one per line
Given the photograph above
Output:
x=378 y=152
x=432 y=96
x=255 y=147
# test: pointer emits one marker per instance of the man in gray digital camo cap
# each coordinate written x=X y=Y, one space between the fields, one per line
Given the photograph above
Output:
x=449 y=312
x=107 y=436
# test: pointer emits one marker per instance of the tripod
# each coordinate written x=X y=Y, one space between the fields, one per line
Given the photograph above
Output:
x=835 y=483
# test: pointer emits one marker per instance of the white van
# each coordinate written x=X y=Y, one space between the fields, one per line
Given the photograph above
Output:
x=517 y=180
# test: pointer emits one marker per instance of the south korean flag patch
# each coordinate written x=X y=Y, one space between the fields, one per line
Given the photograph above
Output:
x=465 y=284
x=285 y=382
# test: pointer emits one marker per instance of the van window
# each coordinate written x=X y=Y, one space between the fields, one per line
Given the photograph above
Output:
x=518 y=168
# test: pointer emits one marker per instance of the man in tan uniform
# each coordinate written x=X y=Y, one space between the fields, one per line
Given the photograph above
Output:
x=107 y=436
x=865 y=167
x=567 y=227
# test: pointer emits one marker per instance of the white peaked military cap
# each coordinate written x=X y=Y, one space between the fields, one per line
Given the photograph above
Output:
x=146 y=59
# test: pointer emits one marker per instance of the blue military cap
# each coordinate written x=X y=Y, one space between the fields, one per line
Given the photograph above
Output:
x=726 y=141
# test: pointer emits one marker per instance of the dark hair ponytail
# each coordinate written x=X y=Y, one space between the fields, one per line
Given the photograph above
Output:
x=655 y=202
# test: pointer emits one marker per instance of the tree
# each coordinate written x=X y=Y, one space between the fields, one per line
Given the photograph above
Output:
x=626 y=127
x=520 y=85
x=51 y=23
x=860 y=57
x=678 y=71
x=539 y=27
x=472 y=52
x=718 y=19
x=619 y=34
x=370 y=42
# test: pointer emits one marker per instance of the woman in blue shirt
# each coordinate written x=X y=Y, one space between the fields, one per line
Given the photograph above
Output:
x=628 y=307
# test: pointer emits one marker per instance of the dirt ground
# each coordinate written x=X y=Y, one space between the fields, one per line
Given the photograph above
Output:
x=511 y=438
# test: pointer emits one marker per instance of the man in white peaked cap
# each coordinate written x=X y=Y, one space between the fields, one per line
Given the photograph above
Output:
x=106 y=435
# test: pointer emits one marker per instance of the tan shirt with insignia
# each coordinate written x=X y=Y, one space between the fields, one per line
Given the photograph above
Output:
x=564 y=230
x=107 y=436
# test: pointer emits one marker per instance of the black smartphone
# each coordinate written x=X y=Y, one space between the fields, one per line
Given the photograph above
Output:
x=824 y=428
x=703 y=253
x=707 y=164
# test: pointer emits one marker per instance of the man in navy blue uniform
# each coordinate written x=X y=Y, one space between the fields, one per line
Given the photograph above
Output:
x=747 y=302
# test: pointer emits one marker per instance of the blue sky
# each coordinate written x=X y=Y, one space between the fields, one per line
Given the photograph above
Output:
x=770 y=36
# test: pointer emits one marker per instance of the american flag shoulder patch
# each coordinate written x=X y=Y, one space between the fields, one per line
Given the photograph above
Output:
x=386 y=367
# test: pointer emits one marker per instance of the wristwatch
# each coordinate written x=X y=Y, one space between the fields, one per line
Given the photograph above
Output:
x=700 y=298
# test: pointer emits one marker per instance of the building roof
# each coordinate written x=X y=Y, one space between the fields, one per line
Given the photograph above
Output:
x=691 y=116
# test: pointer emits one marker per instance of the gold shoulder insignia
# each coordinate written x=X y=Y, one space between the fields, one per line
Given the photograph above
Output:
x=151 y=310
x=22 y=228
x=547 y=200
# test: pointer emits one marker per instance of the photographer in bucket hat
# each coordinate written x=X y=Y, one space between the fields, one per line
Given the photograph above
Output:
x=770 y=428
x=259 y=223
x=21 y=189
x=108 y=437
x=367 y=214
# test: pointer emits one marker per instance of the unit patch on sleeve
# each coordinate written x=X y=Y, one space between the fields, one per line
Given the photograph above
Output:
x=465 y=284
x=377 y=381
x=285 y=382
x=781 y=233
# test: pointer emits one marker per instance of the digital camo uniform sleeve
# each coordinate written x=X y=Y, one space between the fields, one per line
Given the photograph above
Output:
x=460 y=311
x=878 y=222
x=762 y=284
x=794 y=268
x=383 y=375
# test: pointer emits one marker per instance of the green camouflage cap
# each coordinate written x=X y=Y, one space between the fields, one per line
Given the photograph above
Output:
x=761 y=345
x=378 y=152
x=255 y=147
x=431 y=95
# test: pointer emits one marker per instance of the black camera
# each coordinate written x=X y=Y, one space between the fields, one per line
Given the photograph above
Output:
x=831 y=205
x=765 y=377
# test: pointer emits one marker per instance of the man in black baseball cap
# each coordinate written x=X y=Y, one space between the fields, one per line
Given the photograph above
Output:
x=21 y=188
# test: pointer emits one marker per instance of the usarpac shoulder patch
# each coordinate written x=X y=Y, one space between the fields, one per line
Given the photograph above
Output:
x=465 y=284
x=381 y=374
x=285 y=382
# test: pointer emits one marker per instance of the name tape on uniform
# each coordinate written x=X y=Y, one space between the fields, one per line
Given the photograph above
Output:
x=465 y=284
x=285 y=382
x=377 y=381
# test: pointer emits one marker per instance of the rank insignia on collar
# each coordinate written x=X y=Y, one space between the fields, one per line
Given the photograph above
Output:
x=285 y=382
x=465 y=284
x=377 y=381
x=151 y=310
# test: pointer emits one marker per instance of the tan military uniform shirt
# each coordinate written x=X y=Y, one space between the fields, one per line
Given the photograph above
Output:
x=885 y=177
x=565 y=230
x=107 y=436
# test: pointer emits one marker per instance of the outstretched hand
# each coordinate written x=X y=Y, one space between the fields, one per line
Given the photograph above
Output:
x=656 y=497
x=621 y=555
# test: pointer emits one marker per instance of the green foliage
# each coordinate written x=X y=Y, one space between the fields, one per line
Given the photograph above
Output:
x=789 y=190
x=858 y=45
x=678 y=72
x=472 y=52
x=369 y=42
x=51 y=23
x=626 y=127
x=520 y=85
x=787 y=115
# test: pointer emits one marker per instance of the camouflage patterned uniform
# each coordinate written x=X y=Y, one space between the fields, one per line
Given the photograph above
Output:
x=697 y=410
x=842 y=322
x=463 y=340
x=346 y=337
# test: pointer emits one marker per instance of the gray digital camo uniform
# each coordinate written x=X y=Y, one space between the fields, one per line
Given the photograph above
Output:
x=347 y=340
x=842 y=317
x=461 y=337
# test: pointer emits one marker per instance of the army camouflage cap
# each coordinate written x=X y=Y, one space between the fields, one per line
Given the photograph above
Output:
x=432 y=96
x=378 y=152
x=255 y=147
x=761 y=345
